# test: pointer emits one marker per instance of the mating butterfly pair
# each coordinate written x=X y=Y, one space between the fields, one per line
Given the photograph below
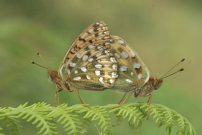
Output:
x=99 y=61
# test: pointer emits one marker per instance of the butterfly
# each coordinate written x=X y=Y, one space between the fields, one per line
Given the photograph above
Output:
x=100 y=61
x=88 y=64
x=134 y=76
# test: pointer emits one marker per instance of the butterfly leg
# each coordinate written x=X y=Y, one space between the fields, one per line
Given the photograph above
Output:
x=56 y=97
x=149 y=104
x=80 y=98
x=125 y=98
x=149 y=99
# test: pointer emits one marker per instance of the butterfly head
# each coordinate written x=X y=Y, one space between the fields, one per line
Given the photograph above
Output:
x=151 y=85
x=53 y=75
x=155 y=83
x=55 y=78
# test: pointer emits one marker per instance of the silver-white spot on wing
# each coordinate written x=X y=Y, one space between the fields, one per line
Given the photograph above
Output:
x=77 y=78
x=84 y=69
x=71 y=64
x=129 y=81
x=88 y=77
x=120 y=41
x=98 y=66
x=114 y=66
x=123 y=68
x=136 y=65
x=90 y=59
x=124 y=54
x=100 y=48
x=112 y=59
x=111 y=81
x=97 y=72
x=101 y=80
x=85 y=58
x=114 y=75
x=76 y=71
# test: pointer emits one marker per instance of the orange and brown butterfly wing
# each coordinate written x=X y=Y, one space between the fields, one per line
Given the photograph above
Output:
x=89 y=64
x=94 y=34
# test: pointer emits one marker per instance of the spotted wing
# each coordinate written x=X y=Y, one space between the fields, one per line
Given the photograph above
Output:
x=131 y=69
x=92 y=68
x=78 y=66
x=95 y=34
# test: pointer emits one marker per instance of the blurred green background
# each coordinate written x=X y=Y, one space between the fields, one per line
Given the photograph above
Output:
x=161 y=31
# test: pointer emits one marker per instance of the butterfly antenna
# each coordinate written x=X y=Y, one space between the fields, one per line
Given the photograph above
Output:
x=182 y=69
x=183 y=59
x=40 y=56
x=39 y=65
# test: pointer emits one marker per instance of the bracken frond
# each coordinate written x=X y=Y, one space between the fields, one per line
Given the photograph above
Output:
x=74 y=118
x=131 y=112
x=10 y=121
x=169 y=118
x=69 y=120
x=99 y=114
x=36 y=114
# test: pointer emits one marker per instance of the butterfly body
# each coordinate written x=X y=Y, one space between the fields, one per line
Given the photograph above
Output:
x=55 y=78
x=148 y=88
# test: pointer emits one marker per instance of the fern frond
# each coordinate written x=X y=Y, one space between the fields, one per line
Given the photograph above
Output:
x=132 y=112
x=36 y=114
x=10 y=121
x=68 y=119
x=99 y=114
x=184 y=125
x=169 y=118
x=45 y=118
